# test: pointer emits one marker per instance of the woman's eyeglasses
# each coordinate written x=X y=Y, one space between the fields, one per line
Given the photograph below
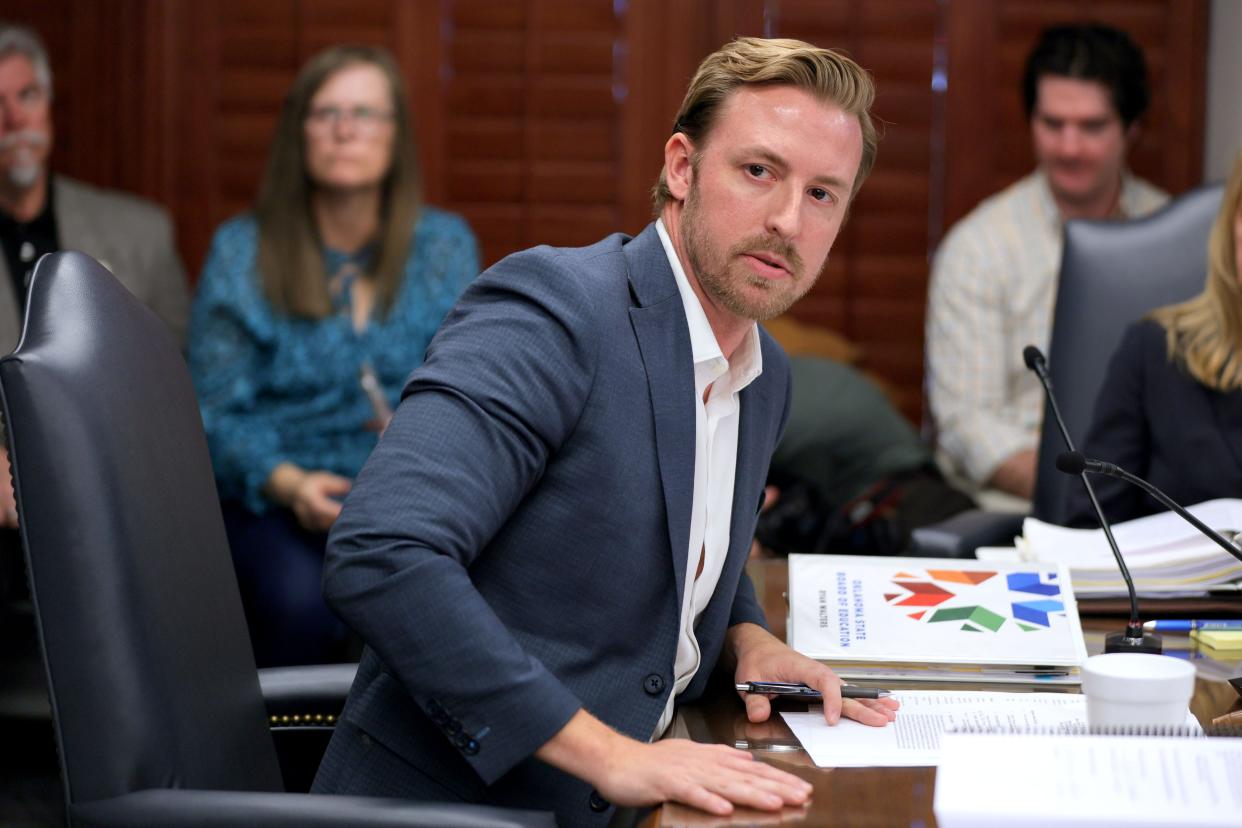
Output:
x=365 y=119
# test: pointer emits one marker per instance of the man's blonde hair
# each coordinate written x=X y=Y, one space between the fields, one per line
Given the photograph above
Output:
x=754 y=61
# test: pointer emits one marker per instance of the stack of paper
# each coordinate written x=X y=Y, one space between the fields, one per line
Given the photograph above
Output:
x=925 y=716
x=1165 y=554
x=986 y=780
x=935 y=620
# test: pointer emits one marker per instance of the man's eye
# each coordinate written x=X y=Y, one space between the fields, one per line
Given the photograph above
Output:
x=820 y=194
x=757 y=170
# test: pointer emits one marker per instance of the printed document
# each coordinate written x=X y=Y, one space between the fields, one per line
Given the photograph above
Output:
x=913 y=739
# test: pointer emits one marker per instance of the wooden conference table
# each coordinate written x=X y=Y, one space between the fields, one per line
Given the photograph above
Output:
x=868 y=796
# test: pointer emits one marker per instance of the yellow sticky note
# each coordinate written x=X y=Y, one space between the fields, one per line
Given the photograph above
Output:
x=1220 y=639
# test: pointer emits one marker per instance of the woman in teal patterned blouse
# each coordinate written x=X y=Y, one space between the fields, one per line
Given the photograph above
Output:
x=309 y=315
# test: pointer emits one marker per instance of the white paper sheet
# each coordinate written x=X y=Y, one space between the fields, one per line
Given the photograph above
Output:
x=913 y=740
x=1018 y=781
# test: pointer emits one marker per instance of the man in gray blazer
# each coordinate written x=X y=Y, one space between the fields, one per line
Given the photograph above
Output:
x=41 y=213
x=547 y=548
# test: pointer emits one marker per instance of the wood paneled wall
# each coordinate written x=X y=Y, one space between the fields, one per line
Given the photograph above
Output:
x=987 y=44
x=543 y=121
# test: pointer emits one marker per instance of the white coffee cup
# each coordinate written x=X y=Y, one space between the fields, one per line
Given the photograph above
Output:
x=1137 y=689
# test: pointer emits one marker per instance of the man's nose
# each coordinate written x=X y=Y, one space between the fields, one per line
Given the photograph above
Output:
x=785 y=211
x=12 y=115
x=1069 y=142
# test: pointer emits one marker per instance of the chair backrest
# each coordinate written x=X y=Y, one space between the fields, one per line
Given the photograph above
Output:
x=152 y=679
x=1113 y=272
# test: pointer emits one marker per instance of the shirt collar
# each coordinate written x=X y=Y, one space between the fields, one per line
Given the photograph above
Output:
x=43 y=222
x=1129 y=201
x=747 y=363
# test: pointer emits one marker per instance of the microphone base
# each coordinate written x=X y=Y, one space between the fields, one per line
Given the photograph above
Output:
x=1119 y=642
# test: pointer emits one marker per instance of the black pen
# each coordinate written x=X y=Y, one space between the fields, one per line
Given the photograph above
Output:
x=801 y=691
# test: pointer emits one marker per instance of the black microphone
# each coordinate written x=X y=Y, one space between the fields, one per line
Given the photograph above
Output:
x=1034 y=359
x=1035 y=362
x=1071 y=462
x=1134 y=639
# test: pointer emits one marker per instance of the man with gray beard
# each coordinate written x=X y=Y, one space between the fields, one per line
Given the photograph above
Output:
x=42 y=213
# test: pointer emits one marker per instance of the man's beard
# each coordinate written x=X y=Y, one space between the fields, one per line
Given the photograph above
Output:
x=724 y=278
x=26 y=170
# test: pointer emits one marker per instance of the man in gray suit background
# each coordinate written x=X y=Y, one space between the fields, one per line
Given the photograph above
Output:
x=546 y=550
x=41 y=213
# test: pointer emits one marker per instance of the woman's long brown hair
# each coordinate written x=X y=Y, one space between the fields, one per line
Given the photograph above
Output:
x=291 y=260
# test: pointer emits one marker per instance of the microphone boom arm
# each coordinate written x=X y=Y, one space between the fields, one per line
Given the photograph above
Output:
x=1166 y=501
x=1036 y=362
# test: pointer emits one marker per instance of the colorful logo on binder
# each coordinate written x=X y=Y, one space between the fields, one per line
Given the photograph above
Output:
x=950 y=595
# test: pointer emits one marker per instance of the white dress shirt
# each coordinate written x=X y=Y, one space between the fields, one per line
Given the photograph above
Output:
x=715 y=465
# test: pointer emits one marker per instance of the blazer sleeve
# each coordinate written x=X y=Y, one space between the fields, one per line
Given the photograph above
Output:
x=1120 y=432
x=746 y=608
x=976 y=415
x=504 y=383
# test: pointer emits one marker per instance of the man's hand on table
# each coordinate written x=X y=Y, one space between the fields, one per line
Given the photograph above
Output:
x=628 y=772
x=760 y=656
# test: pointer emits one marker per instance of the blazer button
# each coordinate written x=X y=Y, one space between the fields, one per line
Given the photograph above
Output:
x=460 y=740
x=654 y=684
x=471 y=748
x=598 y=803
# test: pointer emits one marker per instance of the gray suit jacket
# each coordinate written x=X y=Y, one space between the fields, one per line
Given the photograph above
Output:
x=515 y=548
x=132 y=237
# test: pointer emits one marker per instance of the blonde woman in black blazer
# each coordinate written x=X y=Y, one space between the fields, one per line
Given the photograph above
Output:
x=1170 y=409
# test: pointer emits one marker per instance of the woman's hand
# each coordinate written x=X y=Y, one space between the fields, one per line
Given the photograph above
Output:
x=314 y=497
x=317 y=501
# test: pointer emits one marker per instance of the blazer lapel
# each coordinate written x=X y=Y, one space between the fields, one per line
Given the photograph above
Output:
x=73 y=224
x=10 y=313
x=11 y=310
x=753 y=455
x=663 y=337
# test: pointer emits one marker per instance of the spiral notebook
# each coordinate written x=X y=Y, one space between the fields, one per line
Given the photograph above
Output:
x=1136 y=777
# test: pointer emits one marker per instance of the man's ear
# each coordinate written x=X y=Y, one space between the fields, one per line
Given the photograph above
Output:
x=1132 y=135
x=678 y=165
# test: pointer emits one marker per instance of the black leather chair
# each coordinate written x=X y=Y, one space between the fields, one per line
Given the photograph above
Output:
x=156 y=701
x=1112 y=272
